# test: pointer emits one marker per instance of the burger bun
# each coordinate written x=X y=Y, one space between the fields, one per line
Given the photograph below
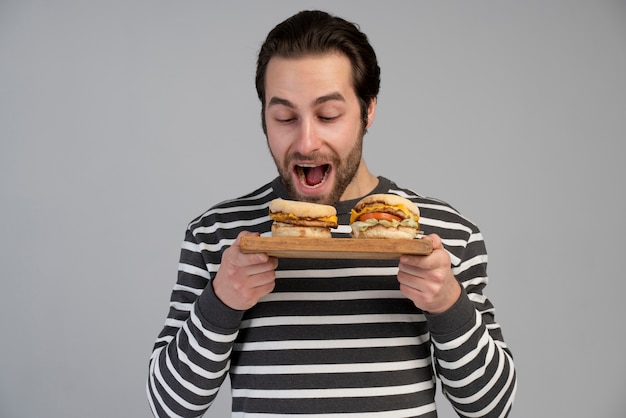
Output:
x=302 y=209
x=280 y=229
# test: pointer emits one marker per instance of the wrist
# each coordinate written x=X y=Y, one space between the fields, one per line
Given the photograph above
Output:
x=450 y=296
x=456 y=320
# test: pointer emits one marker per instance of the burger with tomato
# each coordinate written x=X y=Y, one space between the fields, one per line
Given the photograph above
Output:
x=385 y=216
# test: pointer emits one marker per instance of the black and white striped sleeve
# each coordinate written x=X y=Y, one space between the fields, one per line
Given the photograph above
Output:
x=191 y=356
x=472 y=360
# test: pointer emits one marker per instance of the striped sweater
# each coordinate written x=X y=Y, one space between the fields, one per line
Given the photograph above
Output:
x=336 y=338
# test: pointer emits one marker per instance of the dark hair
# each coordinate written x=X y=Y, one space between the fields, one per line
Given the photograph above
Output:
x=316 y=32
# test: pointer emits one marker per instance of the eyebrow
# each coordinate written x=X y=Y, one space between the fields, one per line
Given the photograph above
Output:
x=322 y=99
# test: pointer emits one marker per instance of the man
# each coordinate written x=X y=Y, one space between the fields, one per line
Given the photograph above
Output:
x=327 y=338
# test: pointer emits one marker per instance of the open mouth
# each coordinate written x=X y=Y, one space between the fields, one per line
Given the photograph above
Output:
x=312 y=175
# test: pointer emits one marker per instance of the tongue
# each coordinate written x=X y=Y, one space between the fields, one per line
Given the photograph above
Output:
x=314 y=175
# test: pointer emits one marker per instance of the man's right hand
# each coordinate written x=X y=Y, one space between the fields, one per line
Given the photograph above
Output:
x=243 y=279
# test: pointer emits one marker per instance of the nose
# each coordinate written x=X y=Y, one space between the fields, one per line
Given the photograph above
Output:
x=308 y=139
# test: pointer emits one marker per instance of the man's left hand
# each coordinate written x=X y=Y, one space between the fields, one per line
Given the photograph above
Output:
x=427 y=280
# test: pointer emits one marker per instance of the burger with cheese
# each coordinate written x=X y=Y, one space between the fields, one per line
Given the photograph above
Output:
x=302 y=219
x=385 y=216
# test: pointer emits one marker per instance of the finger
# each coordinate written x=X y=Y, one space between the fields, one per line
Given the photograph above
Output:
x=239 y=258
x=414 y=264
x=429 y=261
x=257 y=269
x=436 y=240
x=263 y=279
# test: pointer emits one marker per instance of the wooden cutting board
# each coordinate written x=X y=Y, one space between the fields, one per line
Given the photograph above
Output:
x=361 y=248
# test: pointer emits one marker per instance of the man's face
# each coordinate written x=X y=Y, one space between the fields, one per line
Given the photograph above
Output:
x=314 y=125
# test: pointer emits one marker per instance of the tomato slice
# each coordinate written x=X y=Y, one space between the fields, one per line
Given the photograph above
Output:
x=379 y=216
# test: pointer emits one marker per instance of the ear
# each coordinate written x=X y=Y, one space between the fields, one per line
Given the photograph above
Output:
x=371 y=112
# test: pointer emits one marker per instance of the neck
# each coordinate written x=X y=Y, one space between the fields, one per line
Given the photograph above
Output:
x=362 y=183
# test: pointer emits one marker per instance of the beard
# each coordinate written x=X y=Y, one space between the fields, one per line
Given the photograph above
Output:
x=344 y=172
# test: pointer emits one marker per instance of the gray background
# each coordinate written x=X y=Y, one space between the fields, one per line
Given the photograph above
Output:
x=120 y=121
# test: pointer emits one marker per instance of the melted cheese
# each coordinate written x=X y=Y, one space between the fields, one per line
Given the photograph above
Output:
x=290 y=217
